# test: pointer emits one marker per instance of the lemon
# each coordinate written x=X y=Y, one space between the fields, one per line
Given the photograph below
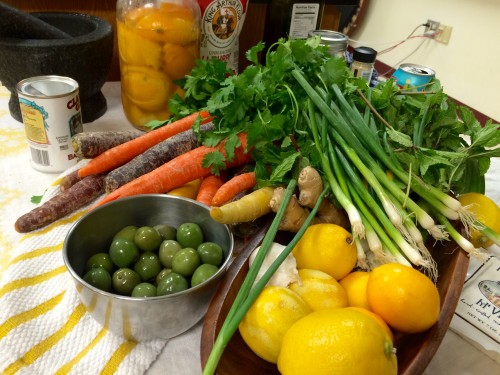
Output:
x=146 y=87
x=406 y=299
x=337 y=341
x=355 y=286
x=319 y=290
x=170 y=27
x=328 y=248
x=377 y=318
x=270 y=316
x=178 y=60
x=136 y=50
x=486 y=211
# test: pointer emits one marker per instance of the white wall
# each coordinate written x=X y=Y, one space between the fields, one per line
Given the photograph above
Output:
x=468 y=67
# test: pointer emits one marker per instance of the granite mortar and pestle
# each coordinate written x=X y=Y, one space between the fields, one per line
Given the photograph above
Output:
x=74 y=45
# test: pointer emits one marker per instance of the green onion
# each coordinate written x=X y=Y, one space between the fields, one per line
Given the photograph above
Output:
x=353 y=214
x=241 y=305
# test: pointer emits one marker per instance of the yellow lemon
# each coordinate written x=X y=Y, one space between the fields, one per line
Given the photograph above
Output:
x=354 y=284
x=377 y=318
x=338 y=341
x=271 y=315
x=406 y=299
x=486 y=211
x=146 y=87
x=320 y=290
x=178 y=27
x=137 y=50
x=178 y=60
x=328 y=248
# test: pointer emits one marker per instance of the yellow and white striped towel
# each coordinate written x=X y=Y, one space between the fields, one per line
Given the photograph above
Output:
x=44 y=329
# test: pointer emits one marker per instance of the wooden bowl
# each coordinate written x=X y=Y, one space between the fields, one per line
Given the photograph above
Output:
x=414 y=352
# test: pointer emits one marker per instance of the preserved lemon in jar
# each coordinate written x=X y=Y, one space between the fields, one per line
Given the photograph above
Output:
x=158 y=43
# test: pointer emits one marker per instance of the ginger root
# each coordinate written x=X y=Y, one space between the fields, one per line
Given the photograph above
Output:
x=295 y=214
x=310 y=186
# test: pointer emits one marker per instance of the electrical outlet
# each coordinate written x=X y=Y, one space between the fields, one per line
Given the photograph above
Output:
x=431 y=27
x=444 y=34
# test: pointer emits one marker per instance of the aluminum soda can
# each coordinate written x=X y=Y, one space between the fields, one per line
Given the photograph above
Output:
x=413 y=76
x=50 y=108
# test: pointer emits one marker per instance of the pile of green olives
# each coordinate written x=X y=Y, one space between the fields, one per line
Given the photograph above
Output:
x=151 y=261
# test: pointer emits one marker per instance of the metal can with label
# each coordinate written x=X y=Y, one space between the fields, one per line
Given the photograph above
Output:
x=50 y=107
x=335 y=41
x=413 y=76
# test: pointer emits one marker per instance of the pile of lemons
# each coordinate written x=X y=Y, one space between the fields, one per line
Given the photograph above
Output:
x=336 y=320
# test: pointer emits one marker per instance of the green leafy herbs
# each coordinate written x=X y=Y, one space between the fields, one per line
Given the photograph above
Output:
x=448 y=147
x=426 y=133
x=36 y=199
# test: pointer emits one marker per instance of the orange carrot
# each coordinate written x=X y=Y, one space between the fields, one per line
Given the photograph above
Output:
x=233 y=187
x=177 y=172
x=208 y=187
x=119 y=155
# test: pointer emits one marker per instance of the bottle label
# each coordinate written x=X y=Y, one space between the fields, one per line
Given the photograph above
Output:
x=304 y=19
x=222 y=22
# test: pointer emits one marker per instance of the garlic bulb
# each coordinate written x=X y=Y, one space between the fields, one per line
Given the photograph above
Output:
x=286 y=273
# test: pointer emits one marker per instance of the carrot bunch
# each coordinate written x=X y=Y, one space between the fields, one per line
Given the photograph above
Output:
x=182 y=163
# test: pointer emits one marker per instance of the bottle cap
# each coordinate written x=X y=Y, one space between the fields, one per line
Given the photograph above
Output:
x=364 y=54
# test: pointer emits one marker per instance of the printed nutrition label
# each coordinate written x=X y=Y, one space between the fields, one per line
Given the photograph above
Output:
x=304 y=19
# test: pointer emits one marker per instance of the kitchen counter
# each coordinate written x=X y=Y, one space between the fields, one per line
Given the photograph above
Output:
x=180 y=355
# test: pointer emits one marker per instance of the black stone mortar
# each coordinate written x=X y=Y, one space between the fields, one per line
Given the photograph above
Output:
x=85 y=57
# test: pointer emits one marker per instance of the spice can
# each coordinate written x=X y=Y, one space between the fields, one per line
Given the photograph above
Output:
x=50 y=108
x=363 y=62
x=413 y=76
x=335 y=41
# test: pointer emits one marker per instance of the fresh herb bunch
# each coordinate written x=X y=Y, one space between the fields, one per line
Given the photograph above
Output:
x=432 y=136
x=263 y=100
x=424 y=132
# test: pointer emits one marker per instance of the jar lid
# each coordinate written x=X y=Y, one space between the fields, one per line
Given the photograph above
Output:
x=364 y=54
x=330 y=37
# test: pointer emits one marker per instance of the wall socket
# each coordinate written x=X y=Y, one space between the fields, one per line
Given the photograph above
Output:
x=444 y=33
x=432 y=27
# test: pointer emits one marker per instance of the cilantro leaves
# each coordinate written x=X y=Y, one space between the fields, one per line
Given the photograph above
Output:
x=426 y=133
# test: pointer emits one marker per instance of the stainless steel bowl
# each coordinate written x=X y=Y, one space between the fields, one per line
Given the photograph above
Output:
x=151 y=318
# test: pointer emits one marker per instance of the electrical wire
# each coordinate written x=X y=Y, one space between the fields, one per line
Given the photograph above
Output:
x=351 y=41
x=397 y=44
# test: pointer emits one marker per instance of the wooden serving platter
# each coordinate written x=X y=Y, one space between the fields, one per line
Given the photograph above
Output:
x=414 y=352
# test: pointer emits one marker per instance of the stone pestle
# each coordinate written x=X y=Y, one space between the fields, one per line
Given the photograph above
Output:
x=17 y=24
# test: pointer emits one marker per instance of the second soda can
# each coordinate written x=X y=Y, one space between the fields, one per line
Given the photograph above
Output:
x=413 y=76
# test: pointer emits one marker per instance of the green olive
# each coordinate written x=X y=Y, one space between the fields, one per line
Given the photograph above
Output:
x=210 y=253
x=147 y=238
x=185 y=261
x=189 y=235
x=126 y=233
x=148 y=266
x=172 y=283
x=203 y=273
x=167 y=250
x=123 y=252
x=98 y=277
x=167 y=232
x=144 y=290
x=100 y=260
x=164 y=272
x=124 y=281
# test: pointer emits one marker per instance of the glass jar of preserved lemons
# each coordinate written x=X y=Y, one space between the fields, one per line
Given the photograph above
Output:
x=158 y=43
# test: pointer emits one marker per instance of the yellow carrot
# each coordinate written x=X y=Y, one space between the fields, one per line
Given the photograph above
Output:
x=250 y=207
x=189 y=190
